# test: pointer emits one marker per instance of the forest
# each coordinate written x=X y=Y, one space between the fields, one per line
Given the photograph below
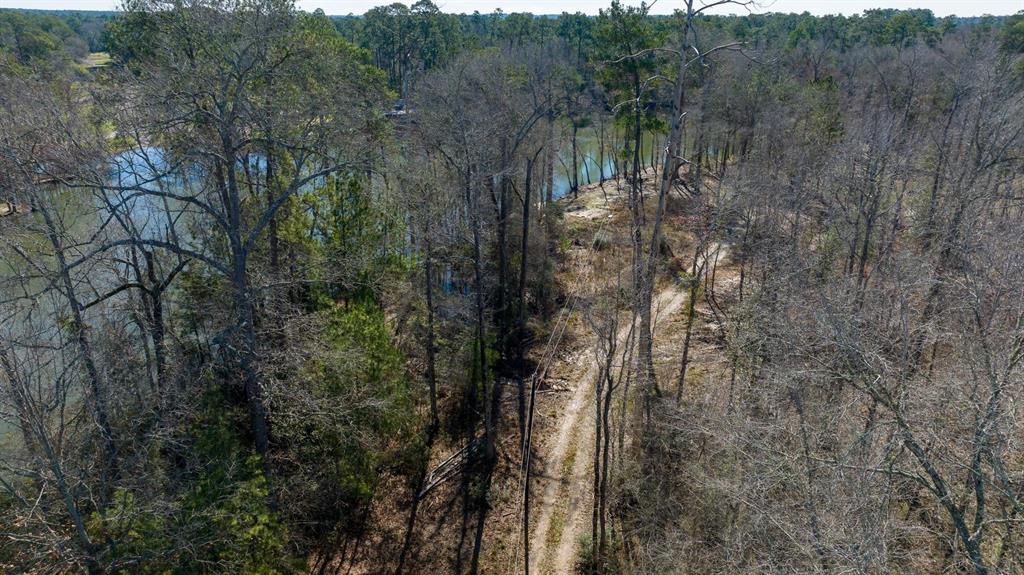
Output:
x=418 y=292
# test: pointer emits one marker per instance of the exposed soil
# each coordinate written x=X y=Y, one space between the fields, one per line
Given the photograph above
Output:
x=561 y=510
x=597 y=258
x=567 y=491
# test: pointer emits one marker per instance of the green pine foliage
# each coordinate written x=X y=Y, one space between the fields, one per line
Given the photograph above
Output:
x=349 y=414
x=221 y=517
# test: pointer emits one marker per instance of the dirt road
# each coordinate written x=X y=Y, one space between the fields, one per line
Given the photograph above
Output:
x=562 y=509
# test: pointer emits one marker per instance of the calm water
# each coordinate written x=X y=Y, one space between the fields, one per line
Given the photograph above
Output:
x=589 y=157
x=152 y=215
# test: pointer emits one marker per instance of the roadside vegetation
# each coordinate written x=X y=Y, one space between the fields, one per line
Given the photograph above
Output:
x=416 y=292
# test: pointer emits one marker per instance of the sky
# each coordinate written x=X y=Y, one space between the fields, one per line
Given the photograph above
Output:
x=939 y=7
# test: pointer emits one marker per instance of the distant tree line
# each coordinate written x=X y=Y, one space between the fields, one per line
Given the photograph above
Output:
x=248 y=302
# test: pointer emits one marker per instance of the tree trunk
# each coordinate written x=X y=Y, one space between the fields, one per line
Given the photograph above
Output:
x=271 y=197
x=521 y=323
x=428 y=264
x=481 y=330
x=602 y=548
x=101 y=410
x=244 y=313
x=156 y=328
x=596 y=488
x=549 y=161
x=575 y=167
x=691 y=306
x=259 y=425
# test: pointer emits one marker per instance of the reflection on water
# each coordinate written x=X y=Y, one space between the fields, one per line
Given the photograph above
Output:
x=594 y=161
x=144 y=181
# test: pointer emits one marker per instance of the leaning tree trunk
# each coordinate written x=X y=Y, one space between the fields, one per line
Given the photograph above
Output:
x=691 y=307
x=647 y=376
x=97 y=390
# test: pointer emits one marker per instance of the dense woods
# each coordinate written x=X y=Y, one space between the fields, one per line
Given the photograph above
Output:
x=415 y=292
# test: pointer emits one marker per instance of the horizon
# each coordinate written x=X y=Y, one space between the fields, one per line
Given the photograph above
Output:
x=941 y=8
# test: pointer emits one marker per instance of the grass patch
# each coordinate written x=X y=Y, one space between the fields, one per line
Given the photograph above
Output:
x=552 y=538
x=570 y=460
x=97 y=59
x=585 y=562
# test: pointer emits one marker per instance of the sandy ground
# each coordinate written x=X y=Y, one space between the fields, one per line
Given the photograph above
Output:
x=562 y=489
x=561 y=480
x=567 y=492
